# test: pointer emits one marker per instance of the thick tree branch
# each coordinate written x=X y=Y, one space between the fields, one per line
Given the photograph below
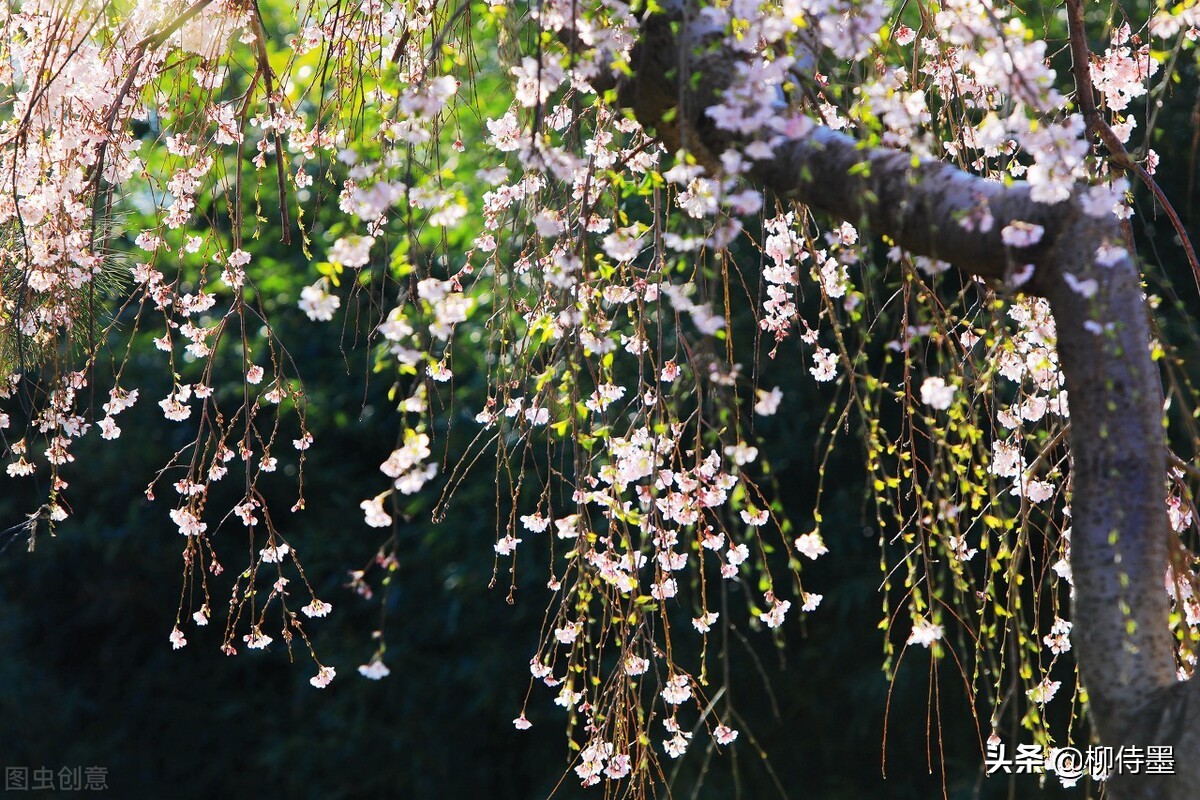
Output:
x=1119 y=543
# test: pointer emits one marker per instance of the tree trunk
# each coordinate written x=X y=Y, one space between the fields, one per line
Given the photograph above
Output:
x=1120 y=527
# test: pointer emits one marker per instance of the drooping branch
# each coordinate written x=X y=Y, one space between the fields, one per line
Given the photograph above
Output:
x=1081 y=71
x=1120 y=526
x=264 y=67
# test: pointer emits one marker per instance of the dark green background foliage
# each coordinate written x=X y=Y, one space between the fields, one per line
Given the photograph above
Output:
x=90 y=679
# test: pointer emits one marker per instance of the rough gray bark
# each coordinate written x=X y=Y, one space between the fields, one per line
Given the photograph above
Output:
x=1120 y=528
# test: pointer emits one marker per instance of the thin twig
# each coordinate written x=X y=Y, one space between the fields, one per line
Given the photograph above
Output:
x=264 y=65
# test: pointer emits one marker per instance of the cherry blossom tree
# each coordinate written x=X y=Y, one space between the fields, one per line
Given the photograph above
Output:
x=921 y=200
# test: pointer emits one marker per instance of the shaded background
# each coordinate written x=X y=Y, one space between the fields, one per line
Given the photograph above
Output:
x=89 y=677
